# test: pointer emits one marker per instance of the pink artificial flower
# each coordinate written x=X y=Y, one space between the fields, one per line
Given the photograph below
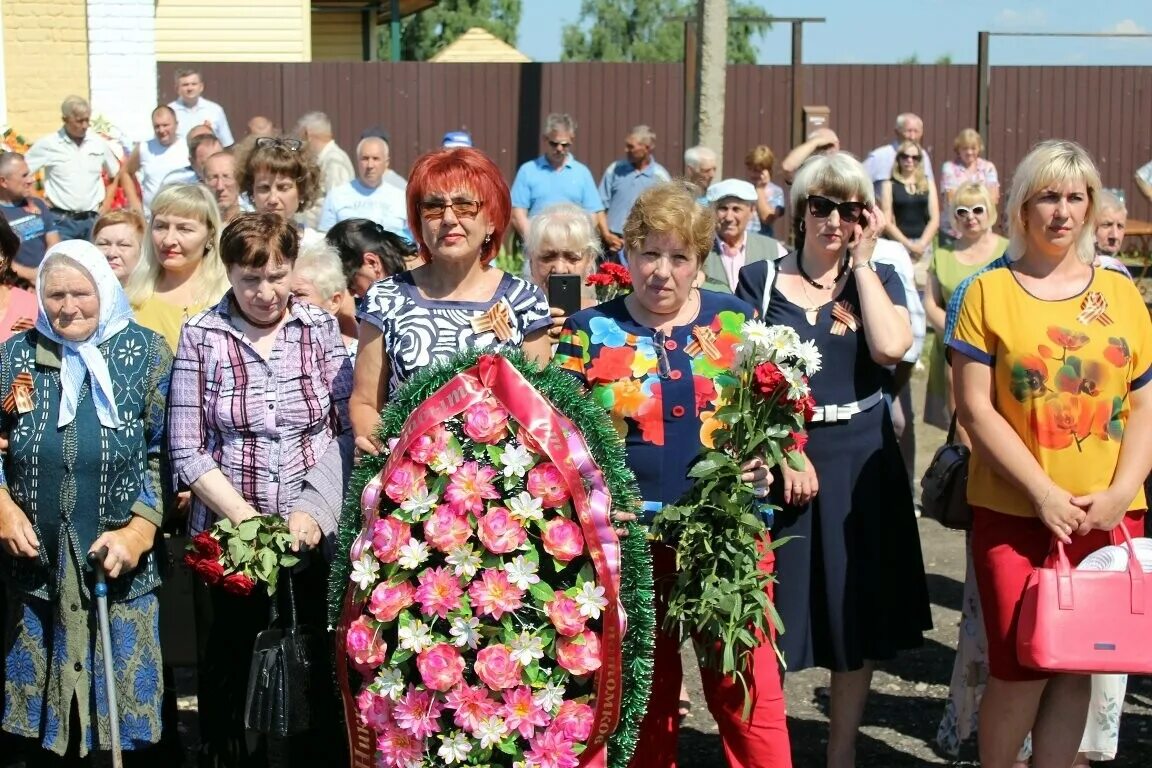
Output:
x=562 y=539
x=472 y=704
x=441 y=667
x=573 y=720
x=406 y=480
x=547 y=484
x=468 y=488
x=565 y=615
x=397 y=748
x=550 y=749
x=579 y=655
x=423 y=448
x=439 y=592
x=418 y=712
x=387 y=600
x=375 y=710
x=495 y=666
x=388 y=535
x=446 y=530
x=486 y=421
x=521 y=713
x=499 y=532
x=365 y=644
x=493 y=594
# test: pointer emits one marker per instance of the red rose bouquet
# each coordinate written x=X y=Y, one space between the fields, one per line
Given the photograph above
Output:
x=238 y=557
x=720 y=530
x=611 y=281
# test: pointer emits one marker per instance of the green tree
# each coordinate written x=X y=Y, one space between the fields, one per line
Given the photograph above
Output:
x=945 y=59
x=913 y=59
x=424 y=34
x=642 y=30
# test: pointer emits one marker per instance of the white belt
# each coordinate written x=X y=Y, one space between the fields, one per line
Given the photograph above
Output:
x=847 y=410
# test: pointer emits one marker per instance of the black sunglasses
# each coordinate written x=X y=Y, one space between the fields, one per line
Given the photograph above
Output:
x=559 y=144
x=822 y=207
x=906 y=156
x=267 y=142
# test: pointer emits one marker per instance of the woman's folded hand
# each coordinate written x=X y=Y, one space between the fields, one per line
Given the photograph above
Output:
x=16 y=533
x=622 y=517
x=305 y=531
x=800 y=487
x=125 y=548
x=756 y=473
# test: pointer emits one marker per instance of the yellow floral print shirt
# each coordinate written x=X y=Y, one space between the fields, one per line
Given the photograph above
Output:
x=1062 y=371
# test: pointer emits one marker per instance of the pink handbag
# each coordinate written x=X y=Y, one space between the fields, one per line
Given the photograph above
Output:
x=1086 y=622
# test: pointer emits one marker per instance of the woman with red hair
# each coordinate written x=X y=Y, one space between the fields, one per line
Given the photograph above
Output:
x=458 y=208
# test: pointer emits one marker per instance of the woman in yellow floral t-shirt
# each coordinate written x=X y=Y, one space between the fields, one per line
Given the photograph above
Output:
x=1053 y=356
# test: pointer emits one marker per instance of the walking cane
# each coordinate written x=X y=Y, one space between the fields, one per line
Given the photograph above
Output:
x=96 y=562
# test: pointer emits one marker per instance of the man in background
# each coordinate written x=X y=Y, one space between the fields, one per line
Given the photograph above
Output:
x=28 y=216
x=193 y=109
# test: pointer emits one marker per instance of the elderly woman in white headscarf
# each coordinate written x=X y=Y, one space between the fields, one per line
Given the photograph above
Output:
x=84 y=402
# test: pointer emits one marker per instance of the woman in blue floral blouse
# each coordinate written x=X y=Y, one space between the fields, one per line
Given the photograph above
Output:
x=642 y=358
x=84 y=400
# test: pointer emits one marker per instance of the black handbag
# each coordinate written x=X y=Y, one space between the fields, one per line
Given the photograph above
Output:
x=944 y=487
x=280 y=675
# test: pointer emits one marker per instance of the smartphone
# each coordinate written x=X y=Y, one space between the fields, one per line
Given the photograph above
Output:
x=564 y=293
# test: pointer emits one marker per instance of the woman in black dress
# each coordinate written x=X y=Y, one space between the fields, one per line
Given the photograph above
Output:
x=851 y=584
x=911 y=206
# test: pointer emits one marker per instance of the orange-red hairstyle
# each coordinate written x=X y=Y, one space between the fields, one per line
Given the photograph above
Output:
x=461 y=169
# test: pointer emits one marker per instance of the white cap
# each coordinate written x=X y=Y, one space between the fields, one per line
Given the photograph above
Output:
x=737 y=188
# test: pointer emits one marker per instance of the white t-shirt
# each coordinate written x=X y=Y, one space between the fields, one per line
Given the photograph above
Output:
x=157 y=162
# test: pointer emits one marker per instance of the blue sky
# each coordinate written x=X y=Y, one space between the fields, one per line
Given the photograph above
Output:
x=885 y=31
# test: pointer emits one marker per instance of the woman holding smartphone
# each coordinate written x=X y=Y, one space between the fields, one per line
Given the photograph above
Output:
x=561 y=251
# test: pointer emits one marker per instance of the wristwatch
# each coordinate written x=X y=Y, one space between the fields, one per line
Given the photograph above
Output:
x=868 y=264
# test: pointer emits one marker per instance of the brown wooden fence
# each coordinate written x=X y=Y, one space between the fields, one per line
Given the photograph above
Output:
x=1108 y=109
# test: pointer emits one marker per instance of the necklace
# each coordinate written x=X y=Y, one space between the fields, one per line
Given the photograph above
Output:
x=254 y=323
x=839 y=272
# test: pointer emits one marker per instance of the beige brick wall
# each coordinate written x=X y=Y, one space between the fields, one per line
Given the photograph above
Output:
x=45 y=59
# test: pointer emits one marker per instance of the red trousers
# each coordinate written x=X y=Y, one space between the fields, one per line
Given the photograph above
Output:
x=759 y=742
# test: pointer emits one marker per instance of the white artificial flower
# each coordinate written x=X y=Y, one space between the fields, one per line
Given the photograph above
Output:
x=807 y=356
x=755 y=332
x=420 y=504
x=491 y=731
x=590 y=599
x=465 y=631
x=454 y=749
x=550 y=697
x=526 y=648
x=522 y=572
x=517 y=460
x=413 y=554
x=782 y=340
x=447 y=461
x=390 y=682
x=416 y=637
x=525 y=507
x=465 y=561
x=365 y=570
x=797 y=387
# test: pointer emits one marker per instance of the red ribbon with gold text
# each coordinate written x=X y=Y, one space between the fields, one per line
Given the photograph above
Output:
x=561 y=443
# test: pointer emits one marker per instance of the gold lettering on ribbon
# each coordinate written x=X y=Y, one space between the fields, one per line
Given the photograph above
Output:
x=19 y=399
x=703 y=340
x=844 y=318
x=1094 y=307
x=496 y=320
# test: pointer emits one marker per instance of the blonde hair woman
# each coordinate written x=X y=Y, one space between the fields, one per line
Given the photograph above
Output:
x=180 y=272
x=318 y=279
x=968 y=168
x=910 y=205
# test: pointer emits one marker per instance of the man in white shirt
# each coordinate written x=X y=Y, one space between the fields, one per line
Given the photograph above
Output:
x=390 y=176
x=74 y=160
x=315 y=129
x=153 y=160
x=367 y=196
x=193 y=109
x=909 y=127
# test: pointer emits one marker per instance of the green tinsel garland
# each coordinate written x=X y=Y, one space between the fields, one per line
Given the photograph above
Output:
x=636 y=588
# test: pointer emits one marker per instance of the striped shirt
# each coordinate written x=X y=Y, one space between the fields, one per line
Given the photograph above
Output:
x=278 y=428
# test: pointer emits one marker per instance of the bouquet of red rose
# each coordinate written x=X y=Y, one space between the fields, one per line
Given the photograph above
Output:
x=720 y=530
x=239 y=556
x=611 y=281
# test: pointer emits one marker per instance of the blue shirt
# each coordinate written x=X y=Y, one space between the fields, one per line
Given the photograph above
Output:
x=384 y=205
x=538 y=185
x=31 y=226
x=622 y=184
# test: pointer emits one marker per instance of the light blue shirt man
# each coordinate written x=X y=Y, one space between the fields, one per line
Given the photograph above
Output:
x=538 y=185
x=384 y=204
x=622 y=183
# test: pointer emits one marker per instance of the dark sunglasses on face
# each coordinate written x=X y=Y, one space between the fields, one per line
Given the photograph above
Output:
x=559 y=144
x=464 y=209
x=964 y=211
x=822 y=207
x=906 y=156
x=292 y=145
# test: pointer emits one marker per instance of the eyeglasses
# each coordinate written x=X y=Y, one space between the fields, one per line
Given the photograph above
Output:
x=268 y=142
x=822 y=207
x=906 y=156
x=559 y=144
x=464 y=209
x=663 y=367
x=963 y=211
